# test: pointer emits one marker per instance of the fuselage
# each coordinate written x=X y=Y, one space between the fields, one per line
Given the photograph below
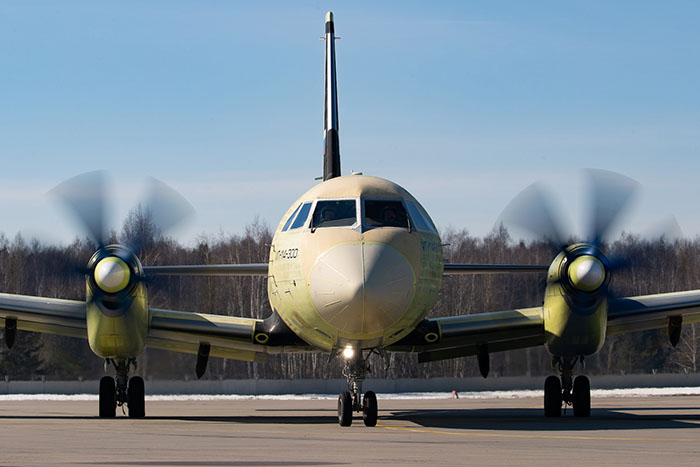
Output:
x=355 y=261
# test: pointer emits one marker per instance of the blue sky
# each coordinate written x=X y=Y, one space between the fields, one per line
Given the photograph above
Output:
x=462 y=103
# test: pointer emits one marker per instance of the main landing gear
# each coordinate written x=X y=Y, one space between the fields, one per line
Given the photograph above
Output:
x=575 y=392
x=355 y=370
x=123 y=390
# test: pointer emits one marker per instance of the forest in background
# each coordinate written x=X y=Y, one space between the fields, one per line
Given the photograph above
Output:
x=31 y=268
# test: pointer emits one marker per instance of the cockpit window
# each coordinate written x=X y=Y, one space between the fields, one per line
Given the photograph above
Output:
x=385 y=213
x=416 y=216
x=419 y=217
x=337 y=213
x=302 y=216
x=426 y=217
x=291 y=218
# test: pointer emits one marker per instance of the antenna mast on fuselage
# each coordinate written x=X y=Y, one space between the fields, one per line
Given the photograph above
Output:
x=331 y=144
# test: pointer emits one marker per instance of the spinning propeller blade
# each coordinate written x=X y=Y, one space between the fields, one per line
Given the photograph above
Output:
x=84 y=196
x=532 y=210
x=609 y=195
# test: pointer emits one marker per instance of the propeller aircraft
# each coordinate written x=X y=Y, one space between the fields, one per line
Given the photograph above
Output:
x=355 y=266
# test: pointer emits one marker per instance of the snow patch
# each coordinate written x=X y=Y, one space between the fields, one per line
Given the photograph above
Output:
x=515 y=394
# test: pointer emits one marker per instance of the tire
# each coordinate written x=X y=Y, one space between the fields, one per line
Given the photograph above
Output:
x=108 y=397
x=345 y=409
x=136 y=395
x=369 y=409
x=552 y=397
x=582 y=397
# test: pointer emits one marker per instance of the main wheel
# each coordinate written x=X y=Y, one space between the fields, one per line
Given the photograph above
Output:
x=552 y=397
x=136 y=394
x=108 y=397
x=369 y=409
x=582 y=396
x=345 y=409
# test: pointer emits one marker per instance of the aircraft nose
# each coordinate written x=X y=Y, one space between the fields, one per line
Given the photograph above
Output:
x=362 y=288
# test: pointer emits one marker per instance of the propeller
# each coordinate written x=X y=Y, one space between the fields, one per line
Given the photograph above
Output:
x=584 y=268
x=85 y=196
x=114 y=271
x=533 y=209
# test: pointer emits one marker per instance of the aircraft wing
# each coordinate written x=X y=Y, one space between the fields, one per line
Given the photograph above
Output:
x=47 y=315
x=459 y=336
x=227 y=336
x=454 y=269
x=261 y=269
x=253 y=269
x=653 y=311
x=232 y=337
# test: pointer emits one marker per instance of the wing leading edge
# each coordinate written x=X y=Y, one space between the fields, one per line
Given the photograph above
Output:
x=254 y=269
x=261 y=269
x=246 y=339
x=46 y=315
x=658 y=311
x=460 y=336
x=433 y=339
x=454 y=269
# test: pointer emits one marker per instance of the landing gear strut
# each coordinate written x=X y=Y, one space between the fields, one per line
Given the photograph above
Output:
x=122 y=390
x=355 y=370
x=572 y=392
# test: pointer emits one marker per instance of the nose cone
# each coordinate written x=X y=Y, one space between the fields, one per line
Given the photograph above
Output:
x=587 y=273
x=362 y=288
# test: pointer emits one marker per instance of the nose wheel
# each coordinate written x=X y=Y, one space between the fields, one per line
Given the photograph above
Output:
x=355 y=370
x=369 y=409
x=346 y=406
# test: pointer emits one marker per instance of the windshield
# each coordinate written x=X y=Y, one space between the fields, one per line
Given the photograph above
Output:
x=417 y=217
x=291 y=218
x=303 y=214
x=385 y=213
x=337 y=213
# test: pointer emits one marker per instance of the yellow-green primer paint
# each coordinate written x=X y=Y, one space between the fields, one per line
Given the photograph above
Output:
x=571 y=331
x=121 y=336
x=289 y=274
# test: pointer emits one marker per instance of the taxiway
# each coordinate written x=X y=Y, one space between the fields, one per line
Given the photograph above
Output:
x=621 y=431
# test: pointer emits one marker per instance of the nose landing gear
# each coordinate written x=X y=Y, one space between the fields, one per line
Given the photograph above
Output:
x=355 y=370
x=567 y=390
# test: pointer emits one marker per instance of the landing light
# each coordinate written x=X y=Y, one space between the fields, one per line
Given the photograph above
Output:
x=348 y=352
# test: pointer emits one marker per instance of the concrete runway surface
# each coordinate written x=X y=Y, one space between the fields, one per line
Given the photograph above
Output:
x=621 y=431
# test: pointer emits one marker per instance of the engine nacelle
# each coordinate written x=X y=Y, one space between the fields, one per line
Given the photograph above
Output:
x=117 y=305
x=575 y=302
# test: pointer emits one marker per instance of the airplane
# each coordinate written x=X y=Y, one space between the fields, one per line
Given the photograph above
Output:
x=355 y=267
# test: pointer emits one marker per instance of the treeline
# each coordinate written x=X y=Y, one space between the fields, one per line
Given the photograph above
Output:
x=32 y=268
